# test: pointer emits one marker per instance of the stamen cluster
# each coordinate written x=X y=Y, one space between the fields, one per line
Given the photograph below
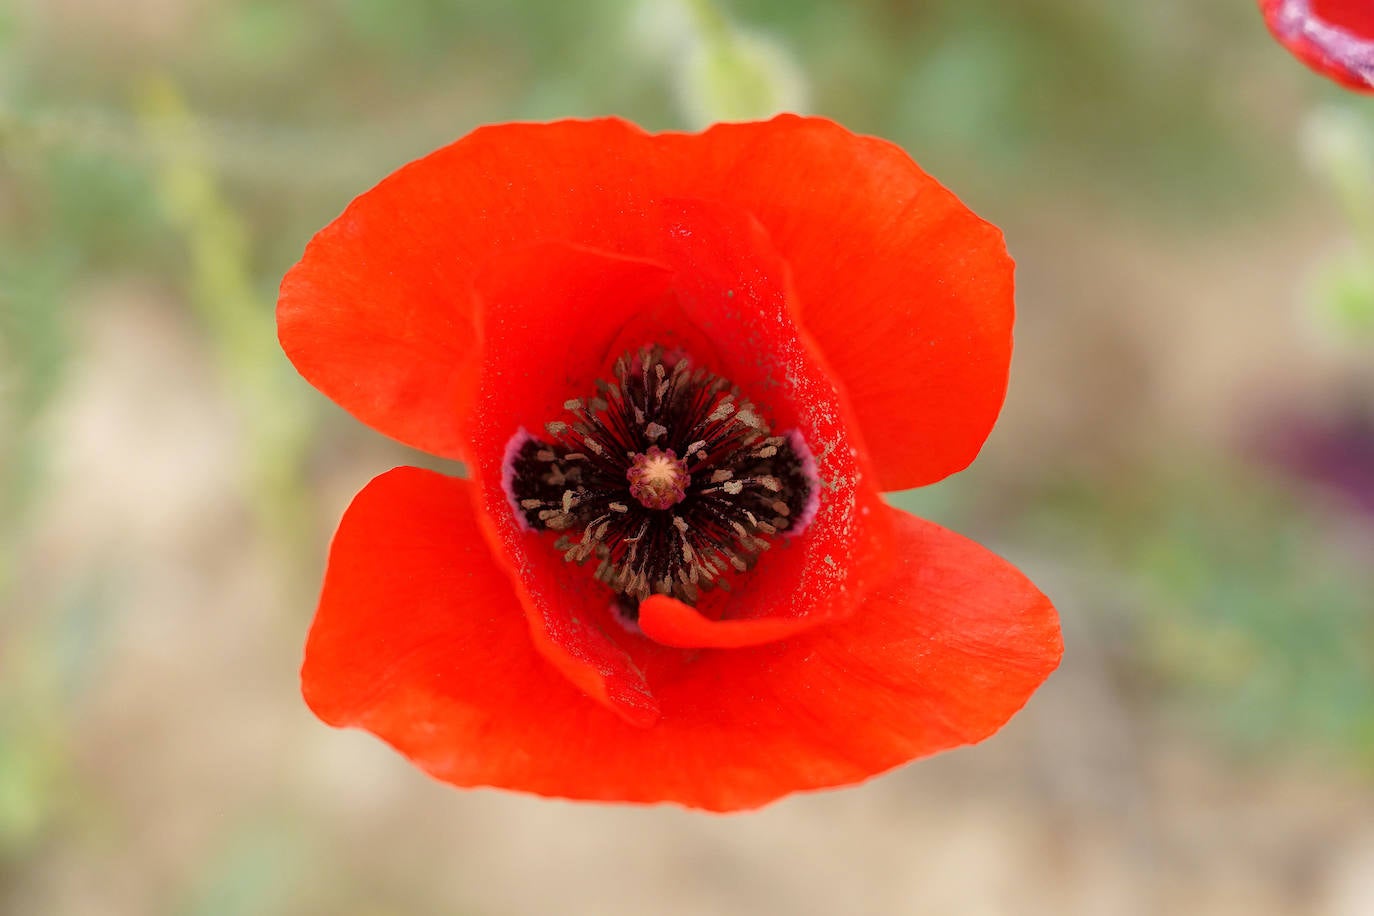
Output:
x=668 y=477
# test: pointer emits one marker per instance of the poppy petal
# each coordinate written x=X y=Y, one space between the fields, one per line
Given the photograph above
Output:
x=379 y=313
x=377 y=319
x=1333 y=37
x=420 y=640
x=906 y=292
x=410 y=554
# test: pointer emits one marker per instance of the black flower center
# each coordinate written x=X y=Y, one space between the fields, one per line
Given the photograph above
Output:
x=668 y=477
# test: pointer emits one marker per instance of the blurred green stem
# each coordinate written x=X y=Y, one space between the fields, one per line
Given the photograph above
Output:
x=1339 y=143
x=711 y=22
x=239 y=322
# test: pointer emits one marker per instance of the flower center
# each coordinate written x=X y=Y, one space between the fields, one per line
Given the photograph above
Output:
x=658 y=479
x=1354 y=16
x=668 y=477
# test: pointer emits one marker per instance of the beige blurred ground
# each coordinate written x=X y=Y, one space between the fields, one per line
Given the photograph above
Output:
x=188 y=777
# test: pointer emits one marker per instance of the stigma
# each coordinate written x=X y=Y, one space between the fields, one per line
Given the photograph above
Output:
x=658 y=479
x=667 y=477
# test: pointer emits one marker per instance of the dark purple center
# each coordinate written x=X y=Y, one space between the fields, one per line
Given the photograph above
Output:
x=668 y=477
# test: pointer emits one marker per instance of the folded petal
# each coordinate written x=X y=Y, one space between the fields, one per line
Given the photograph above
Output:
x=906 y=293
x=552 y=313
x=670 y=622
x=419 y=640
x=904 y=289
x=732 y=283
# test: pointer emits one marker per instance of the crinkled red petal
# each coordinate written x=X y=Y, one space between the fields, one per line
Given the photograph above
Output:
x=733 y=285
x=555 y=319
x=552 y=313
x=1333 y=37
x=906 y=292
x=419 y=639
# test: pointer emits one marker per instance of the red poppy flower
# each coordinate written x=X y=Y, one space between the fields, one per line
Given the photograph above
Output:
x=680 y=368
x=1333 y=37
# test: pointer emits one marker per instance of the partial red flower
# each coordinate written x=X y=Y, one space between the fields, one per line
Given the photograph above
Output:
x=680 y=369
x=1333 y=37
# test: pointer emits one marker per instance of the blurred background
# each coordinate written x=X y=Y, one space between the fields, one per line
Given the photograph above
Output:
x=1185 y=463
